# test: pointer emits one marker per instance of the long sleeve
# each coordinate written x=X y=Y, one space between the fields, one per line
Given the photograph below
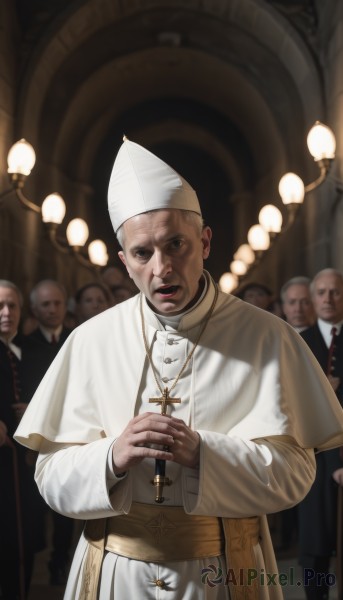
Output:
x=73 y=480
x=239 y=478
x=236 y=478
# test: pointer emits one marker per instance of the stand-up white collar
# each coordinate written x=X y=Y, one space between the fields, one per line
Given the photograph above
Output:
x=189 y=319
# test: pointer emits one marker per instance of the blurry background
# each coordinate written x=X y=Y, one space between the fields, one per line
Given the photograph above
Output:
x=223 y=90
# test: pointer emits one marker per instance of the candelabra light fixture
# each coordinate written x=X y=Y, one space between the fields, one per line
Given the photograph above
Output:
x=21 y=160
x=322 y=146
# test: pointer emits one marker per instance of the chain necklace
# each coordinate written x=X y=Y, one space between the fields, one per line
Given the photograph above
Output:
x=160 y=480
x=165 y=399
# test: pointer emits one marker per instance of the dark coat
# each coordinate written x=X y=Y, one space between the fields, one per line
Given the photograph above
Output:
x=16 y=482
x=318 y=511
x=37 y=356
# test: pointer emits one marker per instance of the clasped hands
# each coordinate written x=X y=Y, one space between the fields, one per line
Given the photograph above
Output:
x=148 y=435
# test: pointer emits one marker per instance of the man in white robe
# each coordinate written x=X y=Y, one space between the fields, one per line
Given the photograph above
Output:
x=250 y=404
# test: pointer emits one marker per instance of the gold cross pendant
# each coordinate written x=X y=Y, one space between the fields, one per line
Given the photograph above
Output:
x=160 y=479
x=164 y=401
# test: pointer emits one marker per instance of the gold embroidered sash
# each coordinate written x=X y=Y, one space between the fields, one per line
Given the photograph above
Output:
x=151 y=533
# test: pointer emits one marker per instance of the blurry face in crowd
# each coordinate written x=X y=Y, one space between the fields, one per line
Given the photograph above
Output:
x=257 y=297
x=164 y=254
x=49 y=306
x=120 y=293
x=297 y=306
x=327 y=296
x=9 y=312
x=113 y=276
x=92 y=302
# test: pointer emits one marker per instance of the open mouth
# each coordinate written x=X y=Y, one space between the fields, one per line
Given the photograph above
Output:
x=167 y=291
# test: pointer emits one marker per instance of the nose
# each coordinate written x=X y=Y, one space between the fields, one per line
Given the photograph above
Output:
x=161 y=265
x=5 y=310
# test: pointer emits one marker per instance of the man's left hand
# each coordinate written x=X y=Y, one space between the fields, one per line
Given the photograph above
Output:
x=186 y=446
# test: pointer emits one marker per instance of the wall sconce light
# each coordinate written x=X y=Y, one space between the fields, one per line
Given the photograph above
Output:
x=228 y=282
x=322 y=146
x=258 y=239
x=270 y=218
x=53 y=209
x=238 y=267
x=21 y=160
x=98 y=253
x=246 y=254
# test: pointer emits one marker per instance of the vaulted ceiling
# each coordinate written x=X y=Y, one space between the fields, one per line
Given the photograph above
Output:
x=224 y=90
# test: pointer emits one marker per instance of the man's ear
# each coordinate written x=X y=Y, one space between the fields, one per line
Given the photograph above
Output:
x=122 y=257
x=123 y=260
x=206 y=237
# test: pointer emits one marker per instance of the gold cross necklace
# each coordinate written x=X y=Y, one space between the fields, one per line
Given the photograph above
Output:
x=165 y=400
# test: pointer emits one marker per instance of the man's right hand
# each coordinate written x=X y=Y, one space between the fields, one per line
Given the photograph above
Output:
x=144 y=437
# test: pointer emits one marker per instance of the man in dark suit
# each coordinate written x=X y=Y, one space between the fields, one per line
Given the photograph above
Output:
x=318 y=511
x=16 y=478
x=48 y=304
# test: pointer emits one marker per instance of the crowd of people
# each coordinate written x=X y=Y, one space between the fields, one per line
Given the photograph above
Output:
x=314 y=309
x=27 y=349
x=173 y=422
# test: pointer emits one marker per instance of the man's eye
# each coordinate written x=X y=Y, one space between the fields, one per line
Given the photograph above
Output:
x=143 y=254
x=176 y=244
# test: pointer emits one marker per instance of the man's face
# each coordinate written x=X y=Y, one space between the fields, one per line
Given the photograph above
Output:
x=297 y=306
x=327 y=298
x=9 y=312
x=50 y=306
x=164 y=255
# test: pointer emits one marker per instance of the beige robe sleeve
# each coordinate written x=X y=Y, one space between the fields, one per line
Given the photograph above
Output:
x=240 y=478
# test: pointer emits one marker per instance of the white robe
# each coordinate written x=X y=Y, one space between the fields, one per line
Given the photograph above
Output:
x=253 y=391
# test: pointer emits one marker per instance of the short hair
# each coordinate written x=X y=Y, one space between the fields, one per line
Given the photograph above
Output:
x=328 y=271
x=35 y=290
x=251 y=286
x=5 y=283
x=190 y=217
x=95 y=284
x=300 y=280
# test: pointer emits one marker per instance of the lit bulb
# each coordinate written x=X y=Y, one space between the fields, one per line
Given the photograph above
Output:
x=97 y=252
x=77 y=232
x=270 y=218
x=291 y=189
x=321 y=142
x=238 y=267
x=245 y=253
x=228 y=282
x=21 y=158
x=258 y=238
x=53 y=209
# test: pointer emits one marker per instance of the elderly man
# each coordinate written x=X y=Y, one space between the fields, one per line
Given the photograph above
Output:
x=176 y=420
x=16 y=527
x=318 y=511
x=298 y=310
x=297 y=303
x=48 y=305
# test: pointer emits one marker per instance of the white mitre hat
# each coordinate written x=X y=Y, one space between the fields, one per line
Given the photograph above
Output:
x=140 y=182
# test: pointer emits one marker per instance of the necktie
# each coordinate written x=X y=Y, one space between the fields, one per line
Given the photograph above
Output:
x=53 y=339
x=15 y=374
x=331 y=357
